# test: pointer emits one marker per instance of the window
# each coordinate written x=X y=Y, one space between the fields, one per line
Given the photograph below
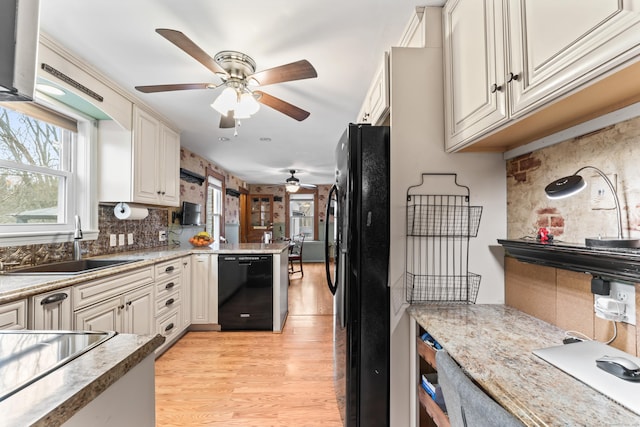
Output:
x=302 y=214
x=42 y=183
x=215 y=205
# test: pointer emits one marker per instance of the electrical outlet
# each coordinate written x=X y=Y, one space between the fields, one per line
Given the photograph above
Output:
x=601 y=197
x=113 y=241
x=625 y=293
x=120 y=239
x=130 y=239
x=162 y=236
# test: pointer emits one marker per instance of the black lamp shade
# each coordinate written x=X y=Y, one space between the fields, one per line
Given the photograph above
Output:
x=565 y=187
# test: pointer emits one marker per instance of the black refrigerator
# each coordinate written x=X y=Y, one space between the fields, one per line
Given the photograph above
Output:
x=358 y=278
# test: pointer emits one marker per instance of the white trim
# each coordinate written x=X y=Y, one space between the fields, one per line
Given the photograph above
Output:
x=583 y=128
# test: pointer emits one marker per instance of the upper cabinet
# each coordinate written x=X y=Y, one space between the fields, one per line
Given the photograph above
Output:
x=516 y=71
x=141 y=166
x=375 y=108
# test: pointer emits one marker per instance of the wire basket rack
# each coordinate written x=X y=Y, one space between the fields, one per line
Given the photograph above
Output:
x=440 y=223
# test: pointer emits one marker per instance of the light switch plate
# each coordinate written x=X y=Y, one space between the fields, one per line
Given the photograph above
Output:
x=113 y=241
x=130 y=239
x=120 y=239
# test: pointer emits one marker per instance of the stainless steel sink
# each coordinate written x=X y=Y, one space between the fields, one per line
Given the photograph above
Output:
x=71 y=267
x=27 y=356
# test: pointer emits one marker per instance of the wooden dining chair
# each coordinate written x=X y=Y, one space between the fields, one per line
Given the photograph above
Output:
x=295 y=254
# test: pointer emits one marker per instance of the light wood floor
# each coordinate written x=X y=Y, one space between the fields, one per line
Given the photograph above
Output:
x=256 y=378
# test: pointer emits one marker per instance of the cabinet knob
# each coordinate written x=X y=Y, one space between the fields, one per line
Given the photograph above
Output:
x=158 y=192
x=120 y=307
x=511 y=77
x=495 y=88
x=129 y=302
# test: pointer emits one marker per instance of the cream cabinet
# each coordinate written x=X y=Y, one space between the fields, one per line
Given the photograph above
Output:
x=131 y=313
x=51 y=311
x=507 y=60
x=156 y=161
x=151 y=149
x=474 y=69
x=122 y=302
x=13 y=315
x=202 y=289
x=375 y=109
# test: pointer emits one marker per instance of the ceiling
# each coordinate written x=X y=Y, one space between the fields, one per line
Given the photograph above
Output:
x=344 y=40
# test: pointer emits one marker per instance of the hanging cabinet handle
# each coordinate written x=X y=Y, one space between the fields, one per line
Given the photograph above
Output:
x=513 y=77
x=169 y=302
x=61 y=296
x=169 y=269
x=169 y=327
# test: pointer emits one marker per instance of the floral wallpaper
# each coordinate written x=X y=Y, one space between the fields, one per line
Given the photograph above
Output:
x=613 y=150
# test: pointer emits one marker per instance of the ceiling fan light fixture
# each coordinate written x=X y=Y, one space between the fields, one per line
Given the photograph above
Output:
x=292 y=187
x=226 y=101
x=247 y=106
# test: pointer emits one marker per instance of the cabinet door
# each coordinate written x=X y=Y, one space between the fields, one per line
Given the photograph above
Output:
x=376 y=103
x=200 y=289
x=52 y=311
x=105 y=316
x=146 y=159
x=474 y=69
x=260 y=216
x=169 y=172
x=552 y=57
x=13 y=315
x=139 y=312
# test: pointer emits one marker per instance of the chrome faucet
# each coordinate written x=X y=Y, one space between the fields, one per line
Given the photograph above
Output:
x=77 y=236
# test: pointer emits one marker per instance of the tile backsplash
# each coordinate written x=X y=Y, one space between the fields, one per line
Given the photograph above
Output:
x=145 y=235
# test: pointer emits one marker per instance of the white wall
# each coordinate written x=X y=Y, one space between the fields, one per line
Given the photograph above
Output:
x=417 y=146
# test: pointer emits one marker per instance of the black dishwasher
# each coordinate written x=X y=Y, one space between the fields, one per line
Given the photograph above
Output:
x=245 y=292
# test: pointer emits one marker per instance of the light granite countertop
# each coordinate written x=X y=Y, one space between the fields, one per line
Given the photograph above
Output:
x=494 y=344
x=56 y=397
x=15 y=287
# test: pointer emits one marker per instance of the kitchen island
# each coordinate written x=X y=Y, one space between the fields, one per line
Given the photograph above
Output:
x=494 y=344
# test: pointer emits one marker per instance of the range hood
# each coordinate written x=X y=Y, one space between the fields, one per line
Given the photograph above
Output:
x=19 y=29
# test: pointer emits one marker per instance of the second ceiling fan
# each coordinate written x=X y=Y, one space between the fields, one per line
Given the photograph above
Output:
x=292 y=184
x=237 y=72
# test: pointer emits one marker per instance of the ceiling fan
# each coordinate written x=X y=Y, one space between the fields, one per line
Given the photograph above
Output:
x=292 y=184
x=237 y=72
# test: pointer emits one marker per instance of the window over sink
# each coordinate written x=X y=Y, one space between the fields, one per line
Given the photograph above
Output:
x=45 y=173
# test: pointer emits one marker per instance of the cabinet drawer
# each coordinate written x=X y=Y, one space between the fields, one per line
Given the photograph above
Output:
x=169 y=325
x=95 y=291
x=168 y=269
x=168 y=303
x=51 y=311
x=167 y=286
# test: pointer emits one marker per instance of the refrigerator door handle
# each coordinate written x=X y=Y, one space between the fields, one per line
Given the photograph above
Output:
x=332 y=286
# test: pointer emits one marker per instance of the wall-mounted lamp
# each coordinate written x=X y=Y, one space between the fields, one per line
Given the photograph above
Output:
x=569 y=185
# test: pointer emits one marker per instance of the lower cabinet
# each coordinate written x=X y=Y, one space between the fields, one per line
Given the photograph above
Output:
x=13 y=315
x=132 y=313
x=200 y=289
x=51 y=311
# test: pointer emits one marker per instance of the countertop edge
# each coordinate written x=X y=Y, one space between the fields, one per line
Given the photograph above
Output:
x=83 y=394
x=46 y=283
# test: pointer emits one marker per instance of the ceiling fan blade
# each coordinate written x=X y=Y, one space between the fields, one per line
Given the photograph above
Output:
x=285 y=73
x=308 y=186
x=192 y=49
x=284 y=107
x=227 y=121
x=171 y=87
